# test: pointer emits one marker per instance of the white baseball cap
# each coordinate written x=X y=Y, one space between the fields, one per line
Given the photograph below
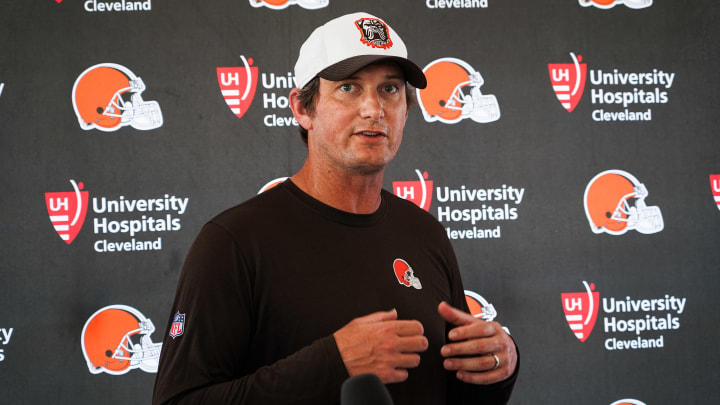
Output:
x=347 y=44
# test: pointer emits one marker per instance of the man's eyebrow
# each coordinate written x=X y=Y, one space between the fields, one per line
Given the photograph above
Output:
x=387 y=77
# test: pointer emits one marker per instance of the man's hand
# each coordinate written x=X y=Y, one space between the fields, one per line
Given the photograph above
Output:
x=477 y=341
x=380 y=344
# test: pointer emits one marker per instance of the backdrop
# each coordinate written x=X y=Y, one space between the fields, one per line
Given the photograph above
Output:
x=569 y=147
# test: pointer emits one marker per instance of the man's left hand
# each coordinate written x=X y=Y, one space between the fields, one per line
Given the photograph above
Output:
x=488 y=353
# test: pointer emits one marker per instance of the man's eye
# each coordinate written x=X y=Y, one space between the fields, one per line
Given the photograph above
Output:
x=346 y=87
x=391 y=88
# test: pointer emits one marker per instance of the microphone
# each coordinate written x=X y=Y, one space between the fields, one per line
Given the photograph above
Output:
x=364 y=389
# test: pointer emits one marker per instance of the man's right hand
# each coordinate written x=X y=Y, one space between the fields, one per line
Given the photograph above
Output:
x=382 y=345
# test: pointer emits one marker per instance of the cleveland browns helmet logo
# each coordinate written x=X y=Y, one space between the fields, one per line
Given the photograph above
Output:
x=405 y=274
x=281 y=4
x=116 y=339
x=453 y=93
x=108 y=96
x=611 y=3
x=615 y=203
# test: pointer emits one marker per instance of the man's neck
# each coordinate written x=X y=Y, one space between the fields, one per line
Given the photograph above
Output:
x=354 y=193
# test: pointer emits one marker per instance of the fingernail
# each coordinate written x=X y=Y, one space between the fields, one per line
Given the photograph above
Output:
x=445 y=351
x=452 y=334
x=448 y=364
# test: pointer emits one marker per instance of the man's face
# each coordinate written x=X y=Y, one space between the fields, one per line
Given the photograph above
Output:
x=358 y=122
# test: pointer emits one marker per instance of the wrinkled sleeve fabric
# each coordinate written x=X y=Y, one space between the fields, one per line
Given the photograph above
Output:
x=207 y=364
x=459 y=392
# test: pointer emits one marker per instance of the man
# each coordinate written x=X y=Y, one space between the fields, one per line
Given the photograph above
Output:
x=326 y=275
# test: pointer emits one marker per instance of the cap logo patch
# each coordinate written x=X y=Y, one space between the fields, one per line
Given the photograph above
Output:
x=374 y=33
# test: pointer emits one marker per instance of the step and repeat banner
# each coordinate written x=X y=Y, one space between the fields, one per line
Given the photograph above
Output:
x=569 y=148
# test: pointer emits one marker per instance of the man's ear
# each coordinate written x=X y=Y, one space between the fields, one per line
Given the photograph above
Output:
x=302 y=116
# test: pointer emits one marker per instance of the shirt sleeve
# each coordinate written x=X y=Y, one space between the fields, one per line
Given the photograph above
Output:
x=458 y=391
x=206 y=364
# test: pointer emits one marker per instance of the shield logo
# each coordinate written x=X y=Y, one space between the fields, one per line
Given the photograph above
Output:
x=715 y=187
x=568 y=81
x=67 y=211
x=237 y=85
x=581 y=310
x=419 y=192
x=177 y=327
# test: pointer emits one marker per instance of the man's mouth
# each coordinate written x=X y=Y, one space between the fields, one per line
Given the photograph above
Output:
x=371 y=133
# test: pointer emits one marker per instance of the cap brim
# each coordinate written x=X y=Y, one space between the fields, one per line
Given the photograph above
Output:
x=343 y=69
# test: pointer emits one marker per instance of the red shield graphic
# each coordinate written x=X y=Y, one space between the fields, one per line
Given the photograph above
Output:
x=568 y=81
x=581 y=310
x=67 y=211
x=715 y=186
x=237 y=85
x=419 y=192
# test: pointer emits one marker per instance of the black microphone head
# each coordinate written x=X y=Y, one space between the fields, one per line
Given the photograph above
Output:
x=364 y=389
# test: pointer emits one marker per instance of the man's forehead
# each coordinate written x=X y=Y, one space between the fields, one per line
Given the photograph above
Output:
x=387 y=69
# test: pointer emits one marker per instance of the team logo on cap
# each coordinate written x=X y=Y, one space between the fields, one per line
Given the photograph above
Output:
x=419 y=192
x=108 y=97
x=67 y=211
x=237 y=85
x=177 y=327
x=715 y=187
x=611 y=3
x=453 y=94
x=405 y=274
x=116 y=339
x=374 y=32
x=581 y=310
x=568 y=81
x=615 y=203
x=281 y=4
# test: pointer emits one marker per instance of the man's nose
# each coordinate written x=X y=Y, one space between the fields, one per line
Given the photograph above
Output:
x=371 y=106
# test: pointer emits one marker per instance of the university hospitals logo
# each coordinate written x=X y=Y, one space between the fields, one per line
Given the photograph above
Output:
x=568 y=81
x=615 y=203
x=67 y=211
x=281 y=4
x=108 y=96
x=715 y=187
x=466 y=211
x=237 y=85
x=453 y=94
x=581 y=309
x=418 y=191
x=611 y=3
x=116 y=339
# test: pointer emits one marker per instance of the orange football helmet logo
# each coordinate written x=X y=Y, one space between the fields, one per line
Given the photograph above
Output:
x=445 y=99
x=281 y=4
x=611 y=3
x=116 y=339
x=615 y=203
x=108 y=96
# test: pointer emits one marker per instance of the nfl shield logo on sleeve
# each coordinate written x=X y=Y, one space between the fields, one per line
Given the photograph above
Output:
x=178 y=325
